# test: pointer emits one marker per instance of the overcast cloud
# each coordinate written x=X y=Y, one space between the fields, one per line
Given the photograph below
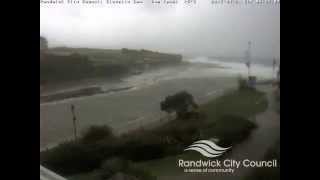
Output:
x=202 y=30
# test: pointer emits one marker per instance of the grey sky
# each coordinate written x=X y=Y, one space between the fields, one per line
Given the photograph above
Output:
x=203 y=30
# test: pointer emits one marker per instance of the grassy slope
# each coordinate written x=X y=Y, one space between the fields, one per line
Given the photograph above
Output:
x=268 y=173
x=101 y=56
x=85 y=50
x=244 y=103
x=82 y=63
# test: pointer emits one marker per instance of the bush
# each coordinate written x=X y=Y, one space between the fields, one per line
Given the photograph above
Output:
x=164 y=141
x=97 y=133
x=83 y=155
x=70 y=158
x=180 y=103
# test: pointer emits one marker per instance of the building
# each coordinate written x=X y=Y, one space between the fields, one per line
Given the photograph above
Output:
x=252 y=81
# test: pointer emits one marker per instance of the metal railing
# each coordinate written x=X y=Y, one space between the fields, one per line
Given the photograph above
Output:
x=46 y=174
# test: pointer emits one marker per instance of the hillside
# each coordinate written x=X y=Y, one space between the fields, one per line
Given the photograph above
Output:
x=65 y=64
x=119 y=56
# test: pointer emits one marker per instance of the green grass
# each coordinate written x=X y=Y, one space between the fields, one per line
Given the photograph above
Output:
x=242 y=104
x=229 y=129
x=268 y=173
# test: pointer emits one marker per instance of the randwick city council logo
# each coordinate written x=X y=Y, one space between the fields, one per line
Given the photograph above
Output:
x=207 y=148
x=210 y=149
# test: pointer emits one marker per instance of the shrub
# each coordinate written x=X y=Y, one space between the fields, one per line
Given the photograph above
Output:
x=70 y=158
x=83 y=155
x=180 y=103
x=97 y=133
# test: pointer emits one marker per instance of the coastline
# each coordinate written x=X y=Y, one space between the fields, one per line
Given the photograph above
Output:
x=77 y=93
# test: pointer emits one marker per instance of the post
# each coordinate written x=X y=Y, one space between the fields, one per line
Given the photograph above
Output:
x=74 y=119
x=274 y=67
x=248 y=58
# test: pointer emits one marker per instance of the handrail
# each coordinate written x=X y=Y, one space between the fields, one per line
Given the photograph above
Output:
x=46 y=174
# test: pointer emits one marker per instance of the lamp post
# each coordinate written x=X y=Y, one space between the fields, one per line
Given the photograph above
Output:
x=248 y=58
x=74 y=119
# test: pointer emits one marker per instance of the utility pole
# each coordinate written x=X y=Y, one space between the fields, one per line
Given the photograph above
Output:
x=248 y=58
x=74 y=119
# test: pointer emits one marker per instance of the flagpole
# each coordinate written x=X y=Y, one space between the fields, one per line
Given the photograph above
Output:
x=248 y=58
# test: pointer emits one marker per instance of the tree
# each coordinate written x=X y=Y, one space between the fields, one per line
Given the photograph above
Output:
x=181 y=103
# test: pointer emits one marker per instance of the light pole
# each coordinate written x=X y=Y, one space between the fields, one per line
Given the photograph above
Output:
x=74 y=119
x=248 y=58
